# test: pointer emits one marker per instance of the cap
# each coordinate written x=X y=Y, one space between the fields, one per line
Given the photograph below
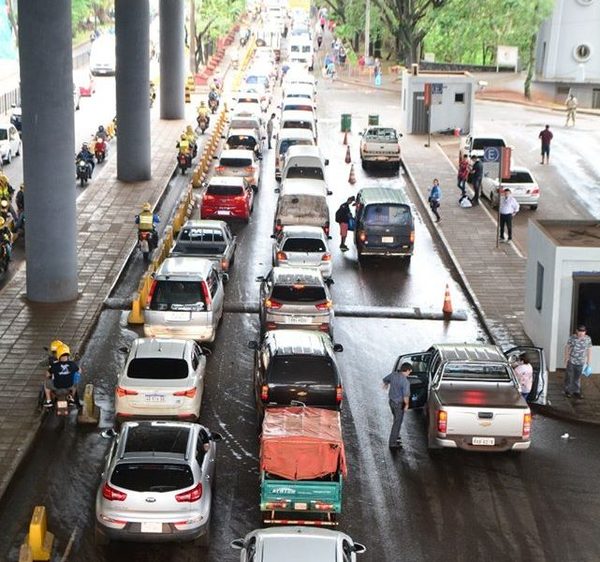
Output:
x=581 y=328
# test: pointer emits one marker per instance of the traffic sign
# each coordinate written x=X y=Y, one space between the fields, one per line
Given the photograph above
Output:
x=491 y=154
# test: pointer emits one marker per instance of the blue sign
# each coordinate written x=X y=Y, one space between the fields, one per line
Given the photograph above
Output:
x=491 y=154
x=437 y=88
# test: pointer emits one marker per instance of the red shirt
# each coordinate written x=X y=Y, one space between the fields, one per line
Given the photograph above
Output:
x=546 y=136
x=463 y=170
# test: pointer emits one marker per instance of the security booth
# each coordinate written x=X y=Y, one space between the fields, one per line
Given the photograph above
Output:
x=562 y=287
x=437 y=101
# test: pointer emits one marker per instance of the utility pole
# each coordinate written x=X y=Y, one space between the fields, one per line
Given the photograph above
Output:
x=192 y=36
x=367 y=27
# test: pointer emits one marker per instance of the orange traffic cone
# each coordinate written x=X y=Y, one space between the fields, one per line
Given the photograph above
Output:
x=345 y=137
x=352 y=177
x=348 y=157
x=447 y=308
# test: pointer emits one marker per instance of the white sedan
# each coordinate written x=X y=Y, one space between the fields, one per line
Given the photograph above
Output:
x=10 y=142
x=522 y=184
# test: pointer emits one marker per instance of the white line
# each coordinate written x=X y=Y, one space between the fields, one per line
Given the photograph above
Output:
x=69 y=545
x=487 y=211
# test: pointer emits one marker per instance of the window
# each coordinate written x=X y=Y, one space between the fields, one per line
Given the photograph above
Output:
x=586 y=304
x=305 y=172
x=157 y=368
x=213 y=283
x=225 y=190
x=302 y=370
x=155 y=477
x=236 y=162
x=459 y=97
x=476 y=371
x=388 y=214
x=178 y=296
x=298 y=293
x=539 y=287
x=304 y=245
x=582 y=52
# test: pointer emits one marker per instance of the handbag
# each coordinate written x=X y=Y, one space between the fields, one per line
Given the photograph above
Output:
x=351 y=223
x=586 y=371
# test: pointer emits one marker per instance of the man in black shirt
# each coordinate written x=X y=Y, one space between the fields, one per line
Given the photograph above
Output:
x=62 y=375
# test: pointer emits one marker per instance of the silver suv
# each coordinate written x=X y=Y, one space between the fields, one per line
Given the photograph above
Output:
x=295 y=297
x=157 y=484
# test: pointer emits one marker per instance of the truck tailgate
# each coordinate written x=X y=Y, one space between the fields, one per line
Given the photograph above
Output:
x=492 y=422
x=300 y=495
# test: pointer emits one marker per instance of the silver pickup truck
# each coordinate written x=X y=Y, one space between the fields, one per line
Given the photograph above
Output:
x=471 y=396
x=379 y=145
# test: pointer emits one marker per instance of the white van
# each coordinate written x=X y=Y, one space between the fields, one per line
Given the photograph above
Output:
x=287 y=138
x=103 y=56
x=299 y=120
x=305 y=162
x=301 y=51
x=301 y=202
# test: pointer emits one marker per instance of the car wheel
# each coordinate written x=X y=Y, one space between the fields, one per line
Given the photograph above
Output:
x=100 y=538
x=361 y=259
x=18 y=153
x=9 y=157
x=363 y=164
x=533 y=207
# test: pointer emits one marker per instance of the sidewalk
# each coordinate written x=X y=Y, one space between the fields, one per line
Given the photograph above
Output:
x=494 y=278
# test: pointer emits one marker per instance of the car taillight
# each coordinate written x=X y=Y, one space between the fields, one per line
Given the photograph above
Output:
x=224 y=264
x=192 y=495
x=339 y=394
x=326 y=257
x=362 y=235
x=535 y=191
x=239 y=198
x=209 y=197
x=442 y=421
x=264 y=392
x=322 y=506
x=281 y=256
x=270 y=303
x=412 y=236
x=190 y=393
x=125 y=392
x=326 y=229
x=526 y=426
x=324 y=305
x=206 y=294
x=151 y=293
x=281 y=504
x=249 y=169
x=219 y=169
x=112 y=495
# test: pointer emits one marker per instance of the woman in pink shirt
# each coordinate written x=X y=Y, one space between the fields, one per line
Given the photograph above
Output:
x=524 y=372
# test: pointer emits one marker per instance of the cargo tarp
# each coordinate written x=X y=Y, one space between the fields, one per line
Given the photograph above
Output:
x=300 y=443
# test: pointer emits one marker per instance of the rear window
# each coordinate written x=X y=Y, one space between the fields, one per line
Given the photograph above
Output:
x=199 y=249
x=297 y=107
x=297 y=125
x=224 y=190
x=305 y=172
x=178 y=296
x=285 y=144
x=298 y=293
x=382 y=135
x=519 y=177
x=243 y=124
x=156 y=368
x=304 y=245
x=241 y=141
x=149 y=438
x=201 y=235
x=480 y=144
x=235 y=162
x=388 y=214
x=475 y=371
x=302 y=369
x=154 y=477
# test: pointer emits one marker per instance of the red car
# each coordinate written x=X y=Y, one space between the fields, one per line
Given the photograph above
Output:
x=227 y=197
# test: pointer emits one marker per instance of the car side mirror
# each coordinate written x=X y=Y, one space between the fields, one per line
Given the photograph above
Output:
x=329 y=281
x=330 y=238
x=225 y=277
x=272 y=236
x=238 y=544
x=215 y=157
x=326 y=161
x=214 y=436
x=263 y=138
x=337 y=347
x=260 y=278
x=399 y=135
x=360 y=134
x=206 y=350
x=223 y=137
x=259 y=156
x=109 y=433
x=123 y=349
x=277 y=190
x=359 y=548
x=329 y=192
x=253 y=344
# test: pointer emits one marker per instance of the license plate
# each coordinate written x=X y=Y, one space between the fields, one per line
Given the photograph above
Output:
x=488 y=441
x=296 y=320
x=61 y=404
x=155 y=397
x=300 y=506
x=151 y=527
x=177 y=316
x=387 y=239
x=222 y=212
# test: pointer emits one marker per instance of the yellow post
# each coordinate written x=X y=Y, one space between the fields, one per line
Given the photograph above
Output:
x=39 y=539
x=196 y=177
x=136 y=314
x=90 y=413
x=191 y=83
x=188 y=97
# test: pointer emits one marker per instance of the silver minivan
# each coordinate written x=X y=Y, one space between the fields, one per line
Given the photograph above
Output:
x=287 y=138
x=185 y=301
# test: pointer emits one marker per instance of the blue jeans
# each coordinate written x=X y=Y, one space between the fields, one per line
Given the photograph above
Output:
x=398 y=413
x=573 y=378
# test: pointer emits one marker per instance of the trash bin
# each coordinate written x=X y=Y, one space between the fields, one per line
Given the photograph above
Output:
x=373 y=119
x=346 y=122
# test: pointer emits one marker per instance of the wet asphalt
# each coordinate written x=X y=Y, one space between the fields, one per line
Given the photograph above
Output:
x=408 y=505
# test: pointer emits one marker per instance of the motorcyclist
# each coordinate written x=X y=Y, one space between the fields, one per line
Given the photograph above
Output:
x=62 y=375
x=203 y=113
x=217 y=84
x=5 y=237
x=191 y=137
x=184 y=148
x=101 y=133
x=87 y=156
x=52 y=349
x=6 y=214
x=147 y=221
x=20 y=199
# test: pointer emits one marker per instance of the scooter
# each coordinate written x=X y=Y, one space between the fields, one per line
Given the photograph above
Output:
x=100 y=150
x=213 y=104
x=203 y=121
x=84 y=173
x=184 y=162
x=146 y=243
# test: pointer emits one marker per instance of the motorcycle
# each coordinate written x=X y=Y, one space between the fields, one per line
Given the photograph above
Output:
x=203 y=121
x=84 y=173
x=147 y=241
x=213 y=104
x=184 y=162
x=4 y=258
x=100 y=150
x=152 y=93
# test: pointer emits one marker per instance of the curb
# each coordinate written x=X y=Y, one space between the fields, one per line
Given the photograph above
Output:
x=372 y=86
x=555 y=413
x=556 y=108
x=20 y=455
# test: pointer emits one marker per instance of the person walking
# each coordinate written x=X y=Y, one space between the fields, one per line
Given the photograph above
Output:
x=270 y=124
x=524 y=373
x=571 y=104
x=509 y=207
x=435 y=196
x=463 y=175
x=578 y=353
x=477 y=170
x=343 y=216
x=398 y=396
x=546 y=137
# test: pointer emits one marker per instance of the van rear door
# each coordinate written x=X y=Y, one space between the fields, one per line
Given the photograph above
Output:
x=389 y=226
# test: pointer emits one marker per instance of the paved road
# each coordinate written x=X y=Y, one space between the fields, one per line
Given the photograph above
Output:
x=413 y=506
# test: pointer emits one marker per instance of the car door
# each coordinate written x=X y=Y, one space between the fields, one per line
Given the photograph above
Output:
x=13 y=135
x=539 y=388
x=199 y=367
x=218 y=294
x=265 y=291
x=419 y=379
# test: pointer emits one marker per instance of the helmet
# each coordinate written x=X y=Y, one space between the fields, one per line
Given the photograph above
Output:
x=189 y=129
x=2 y=222
x=84 y=146
x=62 y=350
x=22 y=186
x=4 y=204
x=202 y=103
x=147 y=207
x=54 y=345
x=183 y=137
x=101 y=128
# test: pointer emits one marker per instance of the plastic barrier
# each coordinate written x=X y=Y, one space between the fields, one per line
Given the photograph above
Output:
x=90 y=413
x=39 y=539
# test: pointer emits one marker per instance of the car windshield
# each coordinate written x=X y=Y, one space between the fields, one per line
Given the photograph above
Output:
x=235 y=162
x=480 y=144
x=152 y=477
x=201 y=235
x=302 y=369
x=3 y=134
x=298 y=293
x=476 y=371
x=297 y=107
x=157 y=368
x=178 y=296
x=387 y=214
x=382 y=135
x=224 y=190
x=297 y=125
x=519 y=177
x=241 y=141
x=305 y=172
x=303 y=245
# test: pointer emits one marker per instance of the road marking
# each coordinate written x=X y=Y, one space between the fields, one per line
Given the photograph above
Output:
x=487 y=211
x=69 y=545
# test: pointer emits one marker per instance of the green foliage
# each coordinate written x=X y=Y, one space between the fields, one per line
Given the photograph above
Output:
x=215 y=17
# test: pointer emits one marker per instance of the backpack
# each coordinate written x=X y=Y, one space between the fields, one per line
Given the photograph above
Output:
x=341 y=215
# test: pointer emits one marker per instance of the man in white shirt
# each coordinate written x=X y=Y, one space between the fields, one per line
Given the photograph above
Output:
x=508 y=209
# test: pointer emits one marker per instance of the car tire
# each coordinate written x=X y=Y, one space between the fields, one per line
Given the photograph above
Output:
x=8 y=157
x=100 y=538
x=363 y=164
x=533 y=207
x=18 y=153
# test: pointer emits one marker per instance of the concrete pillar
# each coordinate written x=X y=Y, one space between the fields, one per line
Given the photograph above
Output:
x=132 y=28
x=46 y=64
x=172 y=59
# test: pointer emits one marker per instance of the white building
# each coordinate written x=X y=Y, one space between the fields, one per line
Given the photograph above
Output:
x=568 y=52
x=562 y=286
x=452 y=101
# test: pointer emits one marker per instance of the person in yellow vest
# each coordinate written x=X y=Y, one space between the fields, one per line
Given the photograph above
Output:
x=191 y=137
x=203 y=116
x=184 y=148
x=147 y=221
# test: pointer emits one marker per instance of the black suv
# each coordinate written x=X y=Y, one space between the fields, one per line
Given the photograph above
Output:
x=296 y=366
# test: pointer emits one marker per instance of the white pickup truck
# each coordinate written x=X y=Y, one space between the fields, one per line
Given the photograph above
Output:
x=471 y=396
x=379 y=145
